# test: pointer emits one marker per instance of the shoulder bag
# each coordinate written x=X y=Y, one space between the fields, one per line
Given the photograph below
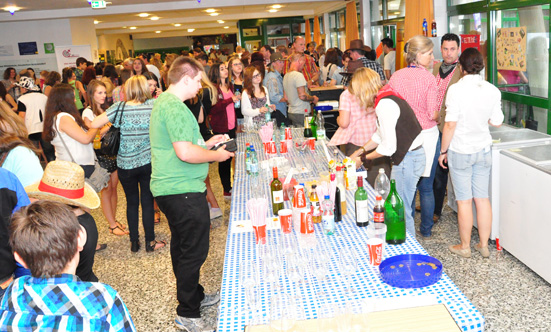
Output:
x=111 y=141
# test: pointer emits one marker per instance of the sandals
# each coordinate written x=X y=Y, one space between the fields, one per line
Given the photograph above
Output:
x=101 y=247
x=154 y=245
x=120 y=225
x=120 y=232
x=157 y=219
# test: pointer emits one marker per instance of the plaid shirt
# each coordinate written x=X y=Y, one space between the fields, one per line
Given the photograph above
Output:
x=62 y=303
x=442 y=85
x=363 y=122
x=373 y=65
x=418 y=87
x=310 y=69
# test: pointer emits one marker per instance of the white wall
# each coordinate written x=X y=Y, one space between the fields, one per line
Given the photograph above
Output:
x=441 y=17
x=166 y=42
x=44 y=31
x=83 y=32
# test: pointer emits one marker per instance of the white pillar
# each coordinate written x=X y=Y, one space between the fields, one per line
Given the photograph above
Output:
x=365 y=24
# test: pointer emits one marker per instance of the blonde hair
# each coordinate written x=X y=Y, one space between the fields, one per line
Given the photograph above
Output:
x=417 y=44
x=207 y=84
x=136 y=89
x=11 y=122
x=364 y=85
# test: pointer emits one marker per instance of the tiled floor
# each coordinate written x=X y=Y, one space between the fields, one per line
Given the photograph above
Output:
x=509 y=295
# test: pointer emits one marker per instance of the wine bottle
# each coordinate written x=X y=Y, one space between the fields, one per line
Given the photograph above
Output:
x=276 y=187
x=314 y=125
x=360 y=198
x=307 y=129
x=337 y=206
x=395 y=219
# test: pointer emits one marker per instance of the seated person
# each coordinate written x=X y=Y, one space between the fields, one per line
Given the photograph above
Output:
x=46 y=238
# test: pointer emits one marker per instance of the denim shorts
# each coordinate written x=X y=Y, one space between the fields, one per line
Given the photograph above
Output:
x=470 y=173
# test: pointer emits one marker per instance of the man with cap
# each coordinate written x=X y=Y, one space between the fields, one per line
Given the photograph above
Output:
x=31 y=106
x=357 y=52
x=273 y=81
x=309 y=70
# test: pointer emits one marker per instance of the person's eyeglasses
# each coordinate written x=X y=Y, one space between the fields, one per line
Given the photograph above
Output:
x=257 y=76
x=237 y=64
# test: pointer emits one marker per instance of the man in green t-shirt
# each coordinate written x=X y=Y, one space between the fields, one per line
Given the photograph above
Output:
x=179 y=158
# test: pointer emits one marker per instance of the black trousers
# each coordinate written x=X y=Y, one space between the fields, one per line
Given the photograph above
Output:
x=189 y=221
x=86 y=262
x=224 y=167
x=47 y=147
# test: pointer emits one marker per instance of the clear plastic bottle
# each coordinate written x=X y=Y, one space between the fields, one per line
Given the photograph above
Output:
x=253 y=168
x=320 y=122
x=237 y=103
x=328 y=218
x=248 y=158
x=382 y=184
x=282 y=132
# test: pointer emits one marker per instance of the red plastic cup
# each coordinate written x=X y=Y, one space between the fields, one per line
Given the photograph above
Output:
x=288 y=134
x=306 y=223
x=266 y=147
x=283 y=148
x=375 y=247
x=286 y=220
x=260 y=234
x=273 y=148
x=312 y=143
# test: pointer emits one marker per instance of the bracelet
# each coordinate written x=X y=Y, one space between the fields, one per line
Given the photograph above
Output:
x=443 y=152
x=363 y=150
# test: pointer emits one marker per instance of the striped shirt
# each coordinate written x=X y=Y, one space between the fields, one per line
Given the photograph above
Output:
x=310 y=69
x=418 y=87
x=62 y=303
x=135 y=148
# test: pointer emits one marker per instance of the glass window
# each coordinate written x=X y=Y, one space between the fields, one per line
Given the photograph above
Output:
x=299 y=28
x=376 y=10
x=342 y=19
x=472 y=24
x=278 y=29
x=395 y=8
x=332 y=21
x=377 y=33
x=461 y=2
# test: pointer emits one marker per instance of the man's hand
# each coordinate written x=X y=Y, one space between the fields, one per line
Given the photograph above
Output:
x=443 y=159
x=215 y=140
x=222 y=154
x=316 y=99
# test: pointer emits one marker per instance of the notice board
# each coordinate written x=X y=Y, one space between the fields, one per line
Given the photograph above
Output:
x=511 y=49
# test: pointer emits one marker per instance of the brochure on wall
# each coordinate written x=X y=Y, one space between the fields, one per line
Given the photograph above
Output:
x=67 y=55
x=511 y=49
x=28 y=48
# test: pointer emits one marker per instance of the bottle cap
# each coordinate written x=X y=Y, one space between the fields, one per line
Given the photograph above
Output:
x=332 y=177
x=379 y=198
x=314 y=186
x=381 y=170
x=326 y=196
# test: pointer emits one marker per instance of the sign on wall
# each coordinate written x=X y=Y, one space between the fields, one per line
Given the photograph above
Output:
x=470 y=41
x=511 y=49
x=67 y=55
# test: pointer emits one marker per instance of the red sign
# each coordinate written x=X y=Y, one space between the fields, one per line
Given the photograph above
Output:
x=468 y=41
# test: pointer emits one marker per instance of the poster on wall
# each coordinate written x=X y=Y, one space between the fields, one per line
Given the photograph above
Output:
x=28 y=48
x=511 y=49
x=36 y=63
x=6 y=50
x=49 y=48
x=470 y=41
x=66 y=56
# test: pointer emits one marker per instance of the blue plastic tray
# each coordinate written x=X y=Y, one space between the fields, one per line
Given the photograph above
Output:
x=411 y=271
x=324 y=108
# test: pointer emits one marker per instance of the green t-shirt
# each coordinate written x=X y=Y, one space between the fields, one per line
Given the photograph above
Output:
x=172 y=121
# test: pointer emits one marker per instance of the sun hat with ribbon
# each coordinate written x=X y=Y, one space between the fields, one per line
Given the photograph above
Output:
x=63 y=181
x=27 y=83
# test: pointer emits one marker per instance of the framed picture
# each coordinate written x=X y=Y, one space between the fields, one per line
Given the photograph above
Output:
x=251 y=32
x=28 y=48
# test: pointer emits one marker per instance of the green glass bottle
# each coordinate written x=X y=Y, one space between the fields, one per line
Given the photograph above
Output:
x=395 y=218
x=314 y=125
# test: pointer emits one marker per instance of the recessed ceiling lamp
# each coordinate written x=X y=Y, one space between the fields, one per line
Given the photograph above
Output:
x=226 y=27
x=273 y=10
x=276 y=6
x=177 y=25
x=190 y=30
x=11 y=9
x=155 y=18
x=133 y=28
x=211 y=10
x=214 y=14
x=96 y=21
x=158 y=31
x=143 y=15
x=221 y=22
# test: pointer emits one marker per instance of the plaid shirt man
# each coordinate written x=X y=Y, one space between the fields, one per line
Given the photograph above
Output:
x=310 y=69
x=62 y=303
x=368 y=64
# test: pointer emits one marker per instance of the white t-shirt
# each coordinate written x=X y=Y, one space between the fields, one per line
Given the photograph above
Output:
x=472 y=102
x=291 y=81
x=88 y=114
x=35 y=109
x=83 y=154
x=390 y=62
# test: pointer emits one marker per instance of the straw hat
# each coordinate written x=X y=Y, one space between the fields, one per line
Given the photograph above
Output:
x=63 y=181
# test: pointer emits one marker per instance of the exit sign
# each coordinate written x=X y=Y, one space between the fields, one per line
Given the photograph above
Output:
x=98 y=4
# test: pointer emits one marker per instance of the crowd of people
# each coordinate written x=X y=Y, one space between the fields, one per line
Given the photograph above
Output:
x=411 y=122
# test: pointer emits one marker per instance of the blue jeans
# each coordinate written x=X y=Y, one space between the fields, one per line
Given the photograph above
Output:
x=426 y=196
x=407 y=175
x=439 y=187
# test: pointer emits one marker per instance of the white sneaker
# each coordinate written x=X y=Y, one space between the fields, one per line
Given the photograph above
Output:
x=192 y=324
x=215 y=213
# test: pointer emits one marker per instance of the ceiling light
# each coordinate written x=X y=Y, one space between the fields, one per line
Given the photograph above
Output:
x=158 y=31
x=220 y=21
x=214 y=14
x=177 y=25
x=211 y=10
x=273 y=10
x=190 y=30
x=11 y=9
x=276 y=6
x=133 y=28
x=226 y=27
x=96 y=21
x=143 y=15
x=154 y=18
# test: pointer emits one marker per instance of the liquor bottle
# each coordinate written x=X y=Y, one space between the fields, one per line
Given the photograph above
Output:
x=248 y=158
x=342 y=189
x=313 y=125
x=337 y=206
x=276 y=189
x=307 y=129
x=361 y=204
x=328 y=218
x=382 y=184
x=433 y=28
x=253 y=168
x=425 y=28
x=379 y=210
x=316 y=207
x=320 y=123
x=395 y=219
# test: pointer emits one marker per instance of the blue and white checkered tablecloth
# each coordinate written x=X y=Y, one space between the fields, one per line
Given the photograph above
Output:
x=366 y=281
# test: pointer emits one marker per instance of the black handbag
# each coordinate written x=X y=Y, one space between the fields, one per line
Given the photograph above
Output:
x=111 y=141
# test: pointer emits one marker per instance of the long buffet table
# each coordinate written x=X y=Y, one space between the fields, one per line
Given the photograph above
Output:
x=366 y=281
